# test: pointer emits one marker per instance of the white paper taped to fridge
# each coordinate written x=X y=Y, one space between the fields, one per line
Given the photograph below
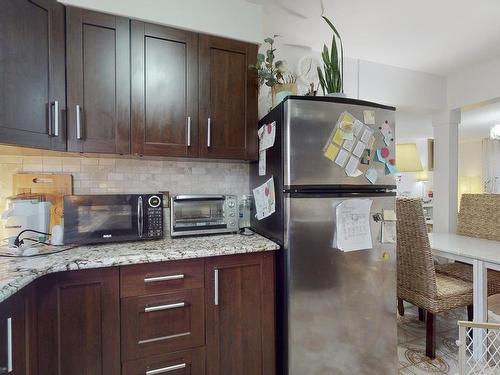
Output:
x=265 y=199
x=262 y=163
x=267 y=135
x=352 y=229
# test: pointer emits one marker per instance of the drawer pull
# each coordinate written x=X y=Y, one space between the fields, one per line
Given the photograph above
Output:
x=9 y=346
x=164 y=307
x=166 y=369
x=163 y=278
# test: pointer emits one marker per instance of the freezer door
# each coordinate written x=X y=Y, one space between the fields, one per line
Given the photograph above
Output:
x=341 y=306
x=308 y=125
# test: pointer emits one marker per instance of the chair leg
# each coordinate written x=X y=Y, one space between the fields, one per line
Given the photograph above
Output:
x=421 y=314
x=430 y=342
x=470 y=313
x=401 y=307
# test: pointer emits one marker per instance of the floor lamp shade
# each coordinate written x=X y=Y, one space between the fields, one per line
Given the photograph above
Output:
x=408 y=158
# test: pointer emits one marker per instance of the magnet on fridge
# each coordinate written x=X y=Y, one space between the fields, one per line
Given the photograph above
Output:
x=390 y=169
x=379 y=157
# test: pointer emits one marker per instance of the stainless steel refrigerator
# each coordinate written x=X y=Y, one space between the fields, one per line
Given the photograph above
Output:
x=337 y=310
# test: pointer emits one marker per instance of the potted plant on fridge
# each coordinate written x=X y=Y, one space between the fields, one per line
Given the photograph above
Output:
x=331 y=78
x=274 y=74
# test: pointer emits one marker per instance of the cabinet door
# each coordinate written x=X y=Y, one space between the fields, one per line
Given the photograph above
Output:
x=240 y=318
x=98 y=62
x=12 y=336
x=228 y=99
x=164 y=91
x=32 y=74
x=79 y=323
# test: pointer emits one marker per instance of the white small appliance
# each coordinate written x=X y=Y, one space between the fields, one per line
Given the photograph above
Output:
x=23 y=214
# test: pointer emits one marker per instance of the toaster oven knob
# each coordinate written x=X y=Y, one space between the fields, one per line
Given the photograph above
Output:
x=230 y=204
x=232 y=223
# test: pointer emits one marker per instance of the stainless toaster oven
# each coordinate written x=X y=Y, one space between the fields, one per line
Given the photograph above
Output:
x=203 y=214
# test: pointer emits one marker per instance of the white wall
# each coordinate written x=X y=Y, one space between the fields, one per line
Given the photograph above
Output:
x=377 y=82
x=414 y=127
x=470 y=161
x=474 y=84
x=236 y=19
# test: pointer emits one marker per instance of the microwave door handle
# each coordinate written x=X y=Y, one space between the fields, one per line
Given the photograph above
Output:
x=140 y=217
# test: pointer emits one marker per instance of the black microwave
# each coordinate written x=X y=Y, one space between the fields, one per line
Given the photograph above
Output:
x=112 y=218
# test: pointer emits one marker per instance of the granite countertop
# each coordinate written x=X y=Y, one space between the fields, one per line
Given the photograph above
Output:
x=16 y=273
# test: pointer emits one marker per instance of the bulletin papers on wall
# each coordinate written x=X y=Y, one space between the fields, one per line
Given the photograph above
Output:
x=265 y=199
x=267 y=136
x=352 y=225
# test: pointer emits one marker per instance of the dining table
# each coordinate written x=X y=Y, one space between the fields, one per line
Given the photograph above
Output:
x=482 y=254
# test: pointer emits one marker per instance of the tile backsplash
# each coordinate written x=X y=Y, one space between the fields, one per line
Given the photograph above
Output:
x=102 y=175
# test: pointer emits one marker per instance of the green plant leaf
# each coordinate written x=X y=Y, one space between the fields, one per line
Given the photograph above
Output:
x=321 y=80
x=341 y=52
x=269 y=40
x=260 y=57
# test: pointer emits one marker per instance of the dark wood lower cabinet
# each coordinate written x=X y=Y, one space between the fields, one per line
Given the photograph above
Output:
x=240 y=316
x=73 y=323
x=79 y=323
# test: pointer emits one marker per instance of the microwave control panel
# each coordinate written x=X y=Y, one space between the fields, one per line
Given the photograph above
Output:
x=154 y=215
x=231 y=212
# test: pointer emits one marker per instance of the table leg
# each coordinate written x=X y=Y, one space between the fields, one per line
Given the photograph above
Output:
x=480 y=300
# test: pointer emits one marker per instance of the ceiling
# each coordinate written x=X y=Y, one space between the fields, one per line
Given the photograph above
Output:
x=476 y=123
x=431 y=36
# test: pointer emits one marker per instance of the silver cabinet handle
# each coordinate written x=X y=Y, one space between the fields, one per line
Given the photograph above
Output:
x=209 y=130
x=164 y=307
x=163 y=278
x=9 y=345
x=56 y=118
x=78 y=123
x=189 y=131
x=140 y=217
x=216 y=287
x=166 y=369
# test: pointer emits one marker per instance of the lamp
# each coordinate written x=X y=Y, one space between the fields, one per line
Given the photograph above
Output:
x=422 y=176
x=408 y=158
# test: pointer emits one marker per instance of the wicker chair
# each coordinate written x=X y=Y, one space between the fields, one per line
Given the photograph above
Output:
x=479 y=217
x=418 y=282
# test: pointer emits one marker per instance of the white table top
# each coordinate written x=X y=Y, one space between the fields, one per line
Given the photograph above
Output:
x=466 y=247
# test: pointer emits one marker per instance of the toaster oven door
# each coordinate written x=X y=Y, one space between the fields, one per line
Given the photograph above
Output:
x=103 y=218
x=198 y=215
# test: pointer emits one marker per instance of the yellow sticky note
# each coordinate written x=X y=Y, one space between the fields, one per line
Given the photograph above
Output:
x=348 y=119
x=389 y=215
x=338 y=137
x=331 y=152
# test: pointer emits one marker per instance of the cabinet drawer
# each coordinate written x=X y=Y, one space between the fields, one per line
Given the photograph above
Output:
x=155 y=278
x=162 y=323
x=187 y=362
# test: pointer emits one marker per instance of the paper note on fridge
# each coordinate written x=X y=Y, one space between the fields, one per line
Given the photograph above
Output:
x=388 y=232
x=267 y=135
x=265 y=199
x=352 y=228
x=262 y=163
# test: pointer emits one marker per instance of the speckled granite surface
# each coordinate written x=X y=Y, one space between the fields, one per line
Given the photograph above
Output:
x=15 y=273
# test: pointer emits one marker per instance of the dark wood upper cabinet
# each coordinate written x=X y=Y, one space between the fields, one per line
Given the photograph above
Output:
x=240 y=320
x=32 y=74
x=79 y=323
x=164 y=65
x=98 y=82
x=228 y=99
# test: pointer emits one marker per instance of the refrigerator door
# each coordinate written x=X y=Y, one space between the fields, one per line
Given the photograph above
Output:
x=341 y=306
x=308 y=125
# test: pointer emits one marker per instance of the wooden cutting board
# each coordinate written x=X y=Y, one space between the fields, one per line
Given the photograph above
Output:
x=53 y=186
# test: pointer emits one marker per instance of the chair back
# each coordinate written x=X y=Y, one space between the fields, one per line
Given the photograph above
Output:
x=479 y=216
x=414 y=257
